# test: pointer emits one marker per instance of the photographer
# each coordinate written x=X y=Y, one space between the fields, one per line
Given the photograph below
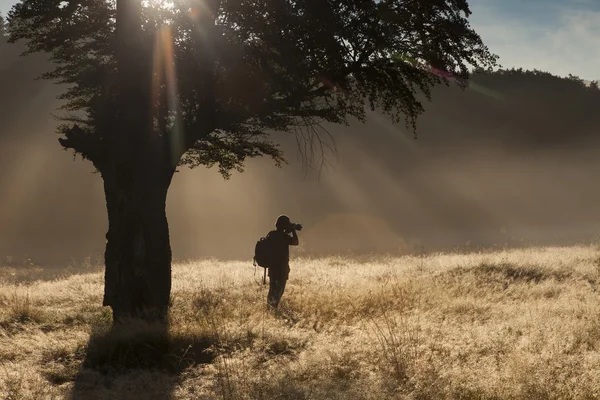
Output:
x=282 y=238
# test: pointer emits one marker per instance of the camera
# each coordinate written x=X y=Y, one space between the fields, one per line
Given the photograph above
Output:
x=294 y=226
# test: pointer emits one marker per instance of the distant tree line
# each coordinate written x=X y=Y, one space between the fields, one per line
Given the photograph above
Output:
x=519 y=109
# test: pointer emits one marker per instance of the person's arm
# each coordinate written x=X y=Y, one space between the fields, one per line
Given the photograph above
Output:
x=294 y=241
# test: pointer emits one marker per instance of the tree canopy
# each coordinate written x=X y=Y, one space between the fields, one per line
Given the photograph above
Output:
x=225 y=73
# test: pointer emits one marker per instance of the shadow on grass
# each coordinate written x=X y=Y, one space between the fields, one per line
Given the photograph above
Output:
x=137 y=360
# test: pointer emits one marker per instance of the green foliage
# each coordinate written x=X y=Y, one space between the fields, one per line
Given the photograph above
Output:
x=243 y=69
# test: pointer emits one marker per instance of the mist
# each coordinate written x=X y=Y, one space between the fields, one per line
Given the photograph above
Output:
x=485 y=170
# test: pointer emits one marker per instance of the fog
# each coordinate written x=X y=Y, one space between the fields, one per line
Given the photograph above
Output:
x=471 y=179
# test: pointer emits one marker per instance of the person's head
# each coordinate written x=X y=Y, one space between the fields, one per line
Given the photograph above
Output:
x=283 y=223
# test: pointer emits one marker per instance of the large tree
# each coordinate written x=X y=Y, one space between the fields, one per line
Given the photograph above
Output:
x=152 y=85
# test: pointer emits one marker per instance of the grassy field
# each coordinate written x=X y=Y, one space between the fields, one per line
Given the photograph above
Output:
x=515 y=324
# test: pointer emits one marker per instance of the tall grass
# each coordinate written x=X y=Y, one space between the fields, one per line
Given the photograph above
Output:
x=511 y=324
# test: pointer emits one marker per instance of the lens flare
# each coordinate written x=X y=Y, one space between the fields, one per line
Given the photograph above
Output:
x=471 y=85
x=165 y=85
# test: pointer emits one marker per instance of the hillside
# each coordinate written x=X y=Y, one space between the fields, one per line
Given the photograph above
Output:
x=515 y=324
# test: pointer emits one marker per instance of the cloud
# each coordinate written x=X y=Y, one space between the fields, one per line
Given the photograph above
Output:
x=561 y=41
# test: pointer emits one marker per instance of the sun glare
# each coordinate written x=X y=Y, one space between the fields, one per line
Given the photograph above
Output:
x=194 y=11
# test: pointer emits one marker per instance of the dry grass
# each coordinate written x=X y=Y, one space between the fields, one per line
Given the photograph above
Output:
x=518 y=324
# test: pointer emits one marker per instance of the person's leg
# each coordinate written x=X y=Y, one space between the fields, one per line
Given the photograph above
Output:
x=278 y=290
x=282 y=284
x=271 y=297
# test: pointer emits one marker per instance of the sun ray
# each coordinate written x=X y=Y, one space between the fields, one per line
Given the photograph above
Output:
x=165 y=85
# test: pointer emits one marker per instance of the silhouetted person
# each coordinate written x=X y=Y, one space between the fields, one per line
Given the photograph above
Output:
x=282 y=238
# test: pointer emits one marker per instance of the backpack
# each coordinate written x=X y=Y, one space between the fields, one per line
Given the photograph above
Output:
x=263 y=252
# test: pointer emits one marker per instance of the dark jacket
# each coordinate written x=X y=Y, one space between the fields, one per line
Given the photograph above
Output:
x=280 y=268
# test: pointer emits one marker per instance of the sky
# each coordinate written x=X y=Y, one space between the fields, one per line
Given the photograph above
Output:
x=557 y=36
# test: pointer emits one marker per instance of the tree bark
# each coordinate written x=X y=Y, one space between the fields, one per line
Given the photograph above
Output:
x=138 y=251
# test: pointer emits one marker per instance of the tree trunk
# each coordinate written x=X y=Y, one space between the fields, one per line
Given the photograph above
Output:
x=138 y=251
x=136 y=179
